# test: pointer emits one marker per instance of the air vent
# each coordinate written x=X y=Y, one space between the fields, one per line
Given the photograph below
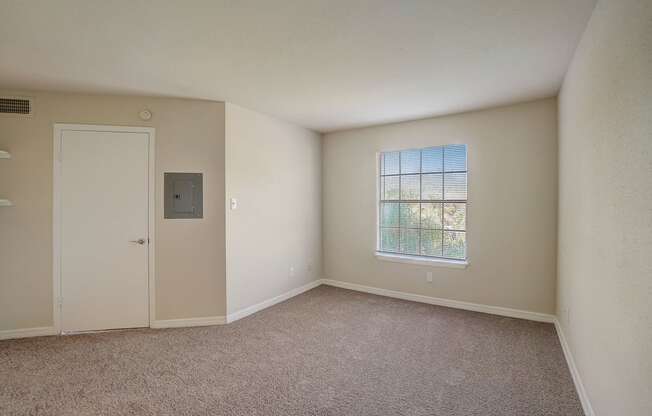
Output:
x=15 y=105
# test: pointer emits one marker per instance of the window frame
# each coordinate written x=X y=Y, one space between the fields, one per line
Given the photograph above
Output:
x=401 y=257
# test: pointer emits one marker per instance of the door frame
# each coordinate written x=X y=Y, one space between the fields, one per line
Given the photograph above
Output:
x=59 y=129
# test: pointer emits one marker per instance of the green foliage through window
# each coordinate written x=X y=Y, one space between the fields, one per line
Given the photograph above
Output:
x=423 y=202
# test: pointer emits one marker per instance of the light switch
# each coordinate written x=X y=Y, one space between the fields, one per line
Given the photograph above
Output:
x=234 y=203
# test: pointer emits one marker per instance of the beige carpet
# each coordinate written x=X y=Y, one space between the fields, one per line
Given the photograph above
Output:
x=327 y=352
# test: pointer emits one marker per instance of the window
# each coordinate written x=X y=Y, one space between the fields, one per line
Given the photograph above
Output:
x=422 y=204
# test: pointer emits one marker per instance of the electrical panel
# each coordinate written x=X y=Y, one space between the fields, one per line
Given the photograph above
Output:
x=183 y=195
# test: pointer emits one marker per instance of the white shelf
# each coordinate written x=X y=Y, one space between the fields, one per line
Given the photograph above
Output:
x=5 y=202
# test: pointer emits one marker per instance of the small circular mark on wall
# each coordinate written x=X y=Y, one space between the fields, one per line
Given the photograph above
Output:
x=145 y=114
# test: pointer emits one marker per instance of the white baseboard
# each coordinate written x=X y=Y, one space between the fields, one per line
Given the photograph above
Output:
x=180 y=323
x=28 y=332
x=273 y=301
x=476 y=307
x=579 y=386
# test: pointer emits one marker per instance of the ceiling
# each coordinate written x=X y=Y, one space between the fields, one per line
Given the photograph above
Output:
x=325 y=65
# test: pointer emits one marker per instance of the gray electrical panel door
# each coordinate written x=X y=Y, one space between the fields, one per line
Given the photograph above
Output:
x=183 y=195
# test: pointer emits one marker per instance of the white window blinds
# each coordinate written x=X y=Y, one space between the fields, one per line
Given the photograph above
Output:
x=422 y=205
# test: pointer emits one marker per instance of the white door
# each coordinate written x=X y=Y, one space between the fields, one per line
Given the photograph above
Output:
x=104 y=196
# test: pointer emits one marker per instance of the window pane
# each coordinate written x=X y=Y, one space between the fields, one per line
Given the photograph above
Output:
x=389 y=214
x=431 y=216
x=454 y=186
x=428 y=222
x=411 y=161
x=431 y=242
x=455 y=216
x=432 y=186
x=410 y=215
x=389 y=187
x=389 y=239
x=389 y=165
x=432 y=159
x=409 y=241
x=454 y=157
x=410 y=187
x=455 y=245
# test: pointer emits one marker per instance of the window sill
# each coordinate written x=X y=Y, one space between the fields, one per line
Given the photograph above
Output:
x=400 y=258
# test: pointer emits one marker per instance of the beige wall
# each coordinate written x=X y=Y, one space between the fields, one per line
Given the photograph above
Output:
x=605 y=208
x=512 y=159
x=189 y=254
x=273 y=169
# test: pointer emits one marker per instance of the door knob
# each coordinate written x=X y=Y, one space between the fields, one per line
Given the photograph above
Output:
x=139 y=241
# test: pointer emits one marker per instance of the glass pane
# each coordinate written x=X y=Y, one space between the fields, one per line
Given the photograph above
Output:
x=432 y=186
x=455 y=245
x=410 y=215
x=455 y=157
x=411 y=161
x=455 y=216
x=431 y=243
x=389 y=239
x=410 y=187
x=431 y=216
x=432 y=159
x=409 y=241
x=389 y=214
x=389 y=165
x=389 y=187
x=454 y=186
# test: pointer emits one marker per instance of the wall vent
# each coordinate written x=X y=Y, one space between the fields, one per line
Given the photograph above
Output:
x=15 y=105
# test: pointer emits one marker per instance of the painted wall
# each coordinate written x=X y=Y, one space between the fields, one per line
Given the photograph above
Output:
x=512 y=206
x=605 y=208
x=189 y=253
x=273 y=169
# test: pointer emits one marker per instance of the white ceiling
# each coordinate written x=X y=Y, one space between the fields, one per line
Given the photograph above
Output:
x=325 y=65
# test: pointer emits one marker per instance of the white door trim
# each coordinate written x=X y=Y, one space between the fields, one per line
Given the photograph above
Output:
x=56 y=211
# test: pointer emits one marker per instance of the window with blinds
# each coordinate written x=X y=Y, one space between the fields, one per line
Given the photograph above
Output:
x=422 y=205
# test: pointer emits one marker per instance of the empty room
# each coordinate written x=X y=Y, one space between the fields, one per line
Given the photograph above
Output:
x=326 y=207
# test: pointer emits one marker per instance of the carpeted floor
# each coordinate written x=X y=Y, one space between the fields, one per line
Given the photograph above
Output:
x=326 y=352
